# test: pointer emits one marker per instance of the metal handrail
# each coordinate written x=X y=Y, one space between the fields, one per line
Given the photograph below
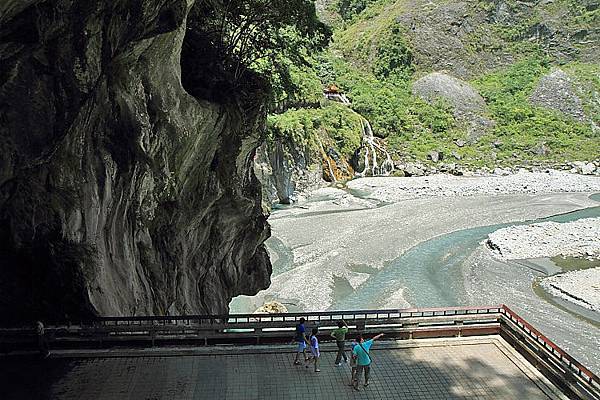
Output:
x=293 y=317
x=549 y=345
x=435 y=322
x=361 y=317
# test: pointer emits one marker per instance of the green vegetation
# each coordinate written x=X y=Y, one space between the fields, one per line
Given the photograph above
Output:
x=373 y=60
x=255 y=44
x=334 y=124
x=411 y=125
x=394 y=57
x=362 y=40
x=350 y=8
x=574 y=263
x=521 y=126
x=588 y=75
x=293 y=85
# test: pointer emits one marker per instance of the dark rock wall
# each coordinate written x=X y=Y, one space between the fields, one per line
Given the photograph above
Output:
x=120 y=192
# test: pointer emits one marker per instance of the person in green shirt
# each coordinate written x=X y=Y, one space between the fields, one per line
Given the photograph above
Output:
x=339 y=335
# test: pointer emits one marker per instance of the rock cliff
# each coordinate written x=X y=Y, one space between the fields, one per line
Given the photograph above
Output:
x=287 y=170
x=122 y=190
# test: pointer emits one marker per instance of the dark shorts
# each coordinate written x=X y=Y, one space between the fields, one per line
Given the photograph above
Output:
x=361 y=368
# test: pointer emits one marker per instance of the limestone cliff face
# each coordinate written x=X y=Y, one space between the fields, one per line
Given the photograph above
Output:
x=121 y=192
x=288 y=170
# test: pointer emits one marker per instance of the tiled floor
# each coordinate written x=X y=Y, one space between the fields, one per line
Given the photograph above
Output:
x=475 y=369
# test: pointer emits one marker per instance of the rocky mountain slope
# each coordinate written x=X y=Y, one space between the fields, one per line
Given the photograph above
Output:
x=456 y=85
x=123 y=191
x=468 y=38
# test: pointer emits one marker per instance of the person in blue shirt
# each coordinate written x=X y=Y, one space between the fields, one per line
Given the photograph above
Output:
x=301 y=340
x=363 y=359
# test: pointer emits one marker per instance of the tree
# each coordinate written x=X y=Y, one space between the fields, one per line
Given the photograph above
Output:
x=350 y=8
x=244 y=32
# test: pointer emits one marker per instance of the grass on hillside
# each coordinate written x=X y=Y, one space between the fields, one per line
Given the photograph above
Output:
x=371 y=61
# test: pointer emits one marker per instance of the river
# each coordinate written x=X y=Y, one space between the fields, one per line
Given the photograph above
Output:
x=349 y=245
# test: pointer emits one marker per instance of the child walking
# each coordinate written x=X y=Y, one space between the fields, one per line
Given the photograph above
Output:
x=314 y=349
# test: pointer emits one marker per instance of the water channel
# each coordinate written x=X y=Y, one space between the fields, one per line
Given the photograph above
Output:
x=454 y=270
x=430 y=273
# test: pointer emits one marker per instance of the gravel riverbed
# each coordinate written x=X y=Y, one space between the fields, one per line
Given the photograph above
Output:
x=393 y=189
x=579 y=287
x=550 y=239
x=331 y=246
x=338 y=239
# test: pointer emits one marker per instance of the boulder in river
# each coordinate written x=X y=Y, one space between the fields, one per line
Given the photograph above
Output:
x=435 y=156
x=584 y=168
x=271 y=307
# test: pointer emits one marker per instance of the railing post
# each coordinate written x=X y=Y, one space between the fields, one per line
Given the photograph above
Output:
x=258 y=332
x=460 y=325
x=360 y=326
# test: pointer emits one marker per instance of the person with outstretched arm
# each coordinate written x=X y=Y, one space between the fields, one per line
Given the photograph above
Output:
x=339 y=335
x=363 y=359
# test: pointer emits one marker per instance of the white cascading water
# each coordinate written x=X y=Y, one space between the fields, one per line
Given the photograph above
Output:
x=369 y=143
x=339 y=97
x=371 y=147
x=327 y=159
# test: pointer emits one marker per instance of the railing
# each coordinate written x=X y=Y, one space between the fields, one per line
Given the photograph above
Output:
x=261 y=328
x=559 y=362
x=278 y=328
x=290 y=319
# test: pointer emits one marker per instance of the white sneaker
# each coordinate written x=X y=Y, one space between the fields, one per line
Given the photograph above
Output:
x=338 y=364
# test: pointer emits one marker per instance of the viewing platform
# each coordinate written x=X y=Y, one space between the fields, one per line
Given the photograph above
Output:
x=450 y=353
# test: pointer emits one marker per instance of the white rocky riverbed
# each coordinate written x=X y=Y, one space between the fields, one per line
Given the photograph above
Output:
x=579 y=287
x=550 y=239
x=342 y=245
x=528 y=183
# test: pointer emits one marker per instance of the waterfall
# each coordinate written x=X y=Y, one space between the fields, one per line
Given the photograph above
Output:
x=327 y=159
x=370 y=145
x=339 y=97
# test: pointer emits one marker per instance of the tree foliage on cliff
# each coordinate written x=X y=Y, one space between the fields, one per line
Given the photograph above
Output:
x=246 y=33
x=333 y=122
x=349 y=8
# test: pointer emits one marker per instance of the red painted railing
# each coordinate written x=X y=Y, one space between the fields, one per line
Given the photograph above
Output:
x=549 y=345
x=230 y=328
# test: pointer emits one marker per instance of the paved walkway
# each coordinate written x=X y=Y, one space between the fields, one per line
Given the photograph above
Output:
x=432 y=370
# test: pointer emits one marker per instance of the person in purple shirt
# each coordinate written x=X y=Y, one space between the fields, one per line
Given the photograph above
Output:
x=352 y=362
x=363 y=359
